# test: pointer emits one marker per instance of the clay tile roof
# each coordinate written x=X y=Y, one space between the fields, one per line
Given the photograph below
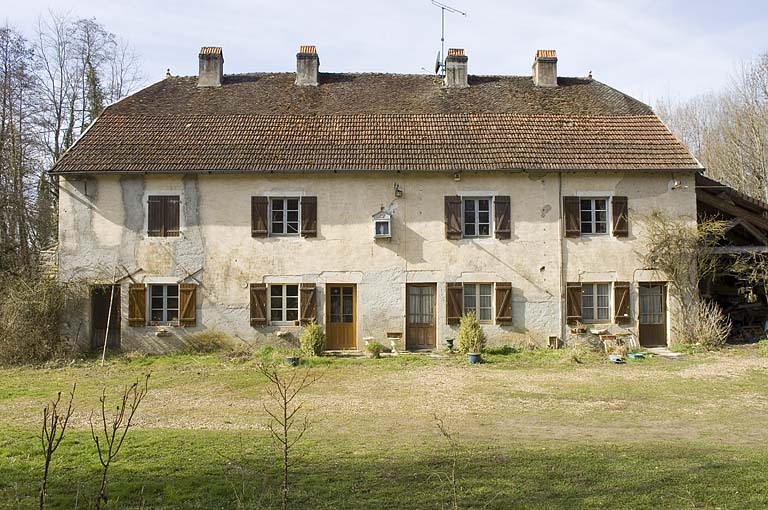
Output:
x=455 y=52
x=546 y=54
x=210 y=50
x=375 y=122
x=307 y=49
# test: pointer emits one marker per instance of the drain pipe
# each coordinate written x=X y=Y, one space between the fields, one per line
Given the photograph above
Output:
x=563 y=269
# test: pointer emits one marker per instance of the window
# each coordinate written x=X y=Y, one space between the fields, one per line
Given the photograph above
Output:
x=163 y=215
x=594 y=215
x=283 y=216
x=164 y=303
x=596 y=302
x=589 y=216
x=461 y=298
x=382 y=224
x=382 y=228
x=283 y=303
x=477 y=298
x=477 y=217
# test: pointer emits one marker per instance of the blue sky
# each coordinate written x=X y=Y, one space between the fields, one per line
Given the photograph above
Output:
x=645 y=48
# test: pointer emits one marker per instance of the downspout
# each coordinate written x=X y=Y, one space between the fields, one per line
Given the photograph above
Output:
x=563 y=269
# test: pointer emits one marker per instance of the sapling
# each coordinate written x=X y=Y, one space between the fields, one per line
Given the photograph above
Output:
x=54 y=426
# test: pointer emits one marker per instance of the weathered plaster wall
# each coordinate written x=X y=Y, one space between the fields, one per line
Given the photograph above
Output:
x=103 y=236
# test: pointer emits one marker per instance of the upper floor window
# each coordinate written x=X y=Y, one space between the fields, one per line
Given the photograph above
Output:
x=475 y=217
x=163 y=215
x=594 y=215
x=283 y=216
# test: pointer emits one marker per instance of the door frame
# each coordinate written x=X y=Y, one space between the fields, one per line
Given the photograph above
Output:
x=664 y=326
x=328 y=322
x=408 y=343
x=114 y=338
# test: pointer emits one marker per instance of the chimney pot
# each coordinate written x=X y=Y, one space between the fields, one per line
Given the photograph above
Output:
x=211 y=67
x=307 y=66
x=545 y=68
x=456 y=69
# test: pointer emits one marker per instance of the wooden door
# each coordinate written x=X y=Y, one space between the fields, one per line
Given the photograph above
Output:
x=652 y=320
x=341 y=313
x=101 y=297
x=420 y=306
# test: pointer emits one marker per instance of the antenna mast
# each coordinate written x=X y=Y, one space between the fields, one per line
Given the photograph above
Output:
x=440 y=64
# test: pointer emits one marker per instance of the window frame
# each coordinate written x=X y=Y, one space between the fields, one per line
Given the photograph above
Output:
x=285 y=211
x=284 y=309
x=164 y=308
x=163 y=195
x=477 y=295
x=595 y=307
x=476 y=223
x=593 y=222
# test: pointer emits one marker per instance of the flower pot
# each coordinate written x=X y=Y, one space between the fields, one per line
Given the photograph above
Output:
x=449 y=343
x=474 y=358
x=292 y=360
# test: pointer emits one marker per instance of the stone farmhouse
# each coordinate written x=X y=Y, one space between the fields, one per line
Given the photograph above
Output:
x=383 y=206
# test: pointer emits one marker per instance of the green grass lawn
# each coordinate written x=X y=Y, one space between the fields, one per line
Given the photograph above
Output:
x=538 y=429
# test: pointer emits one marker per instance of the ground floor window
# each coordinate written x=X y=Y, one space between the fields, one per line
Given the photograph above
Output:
x=596 y=301
x=283 y=303
x=164 y=303
x=477 y=298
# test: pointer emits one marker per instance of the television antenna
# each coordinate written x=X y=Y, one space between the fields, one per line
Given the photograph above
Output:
x=440 y=62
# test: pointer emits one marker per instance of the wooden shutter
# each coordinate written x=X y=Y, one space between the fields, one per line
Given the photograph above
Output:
x=258 y=304
x=504 y=303
x=573 y=303
x=187 y=304
x=621 y=303
x=572 y=216
x=452 y=217
x=259 y=215
x=454 y=297
x=137 y=305
x=171 y=205
x=503 y=221
x=309 y=216
x=620 y=208
x=155 y=216
x=308 y=302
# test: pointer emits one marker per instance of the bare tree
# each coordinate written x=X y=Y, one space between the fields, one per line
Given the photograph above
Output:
x=54 y=425
x=114 y=429
x=287 y=425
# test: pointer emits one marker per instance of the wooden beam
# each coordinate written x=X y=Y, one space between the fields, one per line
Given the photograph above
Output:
x=733 y=250
x=735 y=210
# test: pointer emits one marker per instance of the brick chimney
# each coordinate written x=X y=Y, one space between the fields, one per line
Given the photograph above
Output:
x=456 y=69
x=211 y=67
x=545 y=68
x=307 y=66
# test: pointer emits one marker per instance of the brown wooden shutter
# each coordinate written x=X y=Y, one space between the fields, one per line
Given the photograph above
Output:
x=258 y=304
x=454 y=297
x=137 y=305
x=171 y=205
x=621 y=303
x=620 y=208
x=572 y=216
x=155 y=216
x=308 y=301
x=503 y=303
x=309 y=216
x=503 y=219
x=187 y=304
x=259 y=215
x=573 y=303
x=452 y=217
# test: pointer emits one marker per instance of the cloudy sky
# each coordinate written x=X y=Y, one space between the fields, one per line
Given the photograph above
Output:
x=646 y=48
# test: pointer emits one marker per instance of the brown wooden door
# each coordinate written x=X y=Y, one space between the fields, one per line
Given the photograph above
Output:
x=652 y=318
x=420 y=310
x=100 y=299
x=341 y=313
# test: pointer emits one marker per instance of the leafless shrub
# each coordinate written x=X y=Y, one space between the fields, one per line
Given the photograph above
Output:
x=210 y=340
x=114 y=429
x=54 y=425
x=288 y=424
x=449 y=477
x=709 y=328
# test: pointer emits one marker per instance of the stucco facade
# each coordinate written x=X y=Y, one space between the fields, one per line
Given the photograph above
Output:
x=103 y=238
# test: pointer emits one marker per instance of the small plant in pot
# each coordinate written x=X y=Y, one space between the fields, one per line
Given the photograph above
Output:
x=471 y=337
x=373 y=349
x=293 y=357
